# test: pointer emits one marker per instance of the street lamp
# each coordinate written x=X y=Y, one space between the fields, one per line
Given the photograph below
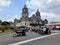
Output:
x=46 y=17
x=53 y=19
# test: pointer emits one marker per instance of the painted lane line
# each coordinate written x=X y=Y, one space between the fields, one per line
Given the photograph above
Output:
x=33 y=39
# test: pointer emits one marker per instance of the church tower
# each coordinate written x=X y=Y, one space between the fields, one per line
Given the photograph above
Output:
x=38 y=14
x=25 y=13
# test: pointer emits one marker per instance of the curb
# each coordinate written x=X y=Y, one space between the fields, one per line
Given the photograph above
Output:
x=4 y=33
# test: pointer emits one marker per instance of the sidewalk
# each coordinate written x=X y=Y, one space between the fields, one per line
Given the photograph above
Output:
x=55 y=31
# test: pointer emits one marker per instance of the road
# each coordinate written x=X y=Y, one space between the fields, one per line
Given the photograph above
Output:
x=9 y=39
x=53 y=40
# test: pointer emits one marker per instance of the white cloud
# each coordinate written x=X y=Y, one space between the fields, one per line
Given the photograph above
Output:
x=51 y=8
x=31 y=14
x=49 y=1
x=58 y=0
x=12 y=18
x=5 y=3
x=49 y=17
x=45 y=5
x=16 y=16
x=35 y=4
x=9 y=18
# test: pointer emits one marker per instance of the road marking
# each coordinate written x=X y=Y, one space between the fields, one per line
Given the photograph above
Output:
x=33 y=39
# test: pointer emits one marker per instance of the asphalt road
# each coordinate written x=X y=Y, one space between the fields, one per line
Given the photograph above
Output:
x=52 y=40
x=9 y=39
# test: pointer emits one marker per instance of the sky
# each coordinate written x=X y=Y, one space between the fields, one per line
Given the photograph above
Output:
x=11 y=9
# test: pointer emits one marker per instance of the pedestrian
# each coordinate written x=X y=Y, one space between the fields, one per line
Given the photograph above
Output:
x=23 y=32
x=49 y=31
x=44 y=29
x=14 y=30
x=30 y=30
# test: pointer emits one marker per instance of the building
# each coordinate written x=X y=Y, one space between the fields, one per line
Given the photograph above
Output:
x=54 y=25
x=25 y=20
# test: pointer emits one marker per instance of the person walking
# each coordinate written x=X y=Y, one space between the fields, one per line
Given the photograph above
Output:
x=49 y=31
x=23 y=32
x=44 y=29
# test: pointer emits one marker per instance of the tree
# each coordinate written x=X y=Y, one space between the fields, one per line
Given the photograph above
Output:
x=33 y=24
x=5 y=23
x=0 y=22
x=2 y=28
x=37 y=24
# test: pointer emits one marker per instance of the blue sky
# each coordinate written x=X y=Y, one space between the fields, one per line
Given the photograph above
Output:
x=11 y=9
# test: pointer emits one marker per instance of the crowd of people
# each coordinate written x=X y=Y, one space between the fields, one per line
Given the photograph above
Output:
x=45 y=30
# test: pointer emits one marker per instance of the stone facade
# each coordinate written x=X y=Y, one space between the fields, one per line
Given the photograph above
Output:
x=25 y=20
x=36 y=17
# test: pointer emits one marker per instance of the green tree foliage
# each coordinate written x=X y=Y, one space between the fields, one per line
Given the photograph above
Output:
x=5 y=26
x=33 y=24
x=5 y=23
x=21 y=27
x=0 y=22
x=41 y=25
x=36 y=24
x=1 y=27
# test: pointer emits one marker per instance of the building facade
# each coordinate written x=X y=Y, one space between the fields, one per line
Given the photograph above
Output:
x=25 y=20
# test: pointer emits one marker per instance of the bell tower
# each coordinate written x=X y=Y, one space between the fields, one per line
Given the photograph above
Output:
x=25 y=12
x=38 y=14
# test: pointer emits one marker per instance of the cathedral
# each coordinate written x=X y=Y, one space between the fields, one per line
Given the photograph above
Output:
x=25 y=20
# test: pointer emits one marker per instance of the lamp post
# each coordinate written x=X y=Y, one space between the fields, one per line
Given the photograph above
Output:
x=14 y=25
x=53 y=19
x=46 y=17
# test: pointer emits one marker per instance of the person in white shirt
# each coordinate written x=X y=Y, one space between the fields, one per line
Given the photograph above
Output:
x=44 y=29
